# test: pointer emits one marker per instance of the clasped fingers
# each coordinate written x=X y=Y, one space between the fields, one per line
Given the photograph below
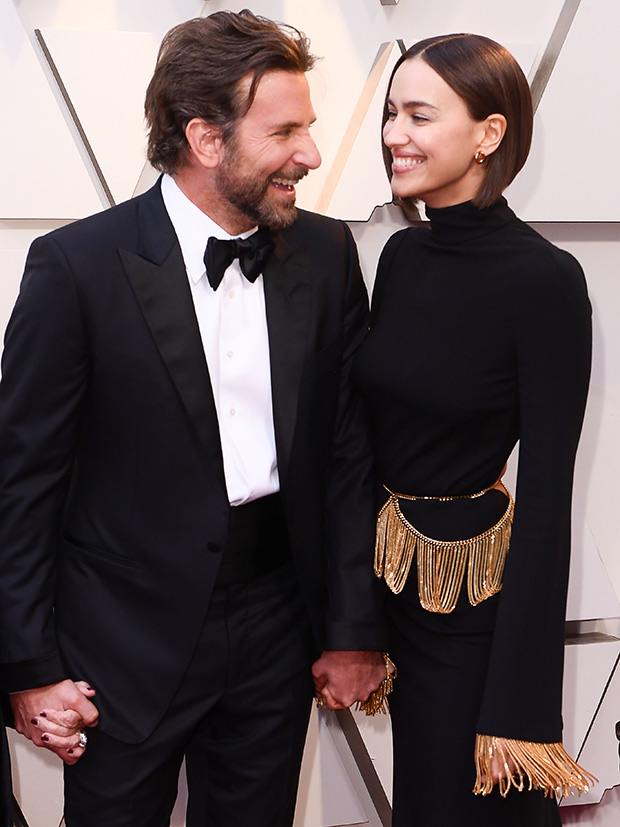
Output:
x=64 y=722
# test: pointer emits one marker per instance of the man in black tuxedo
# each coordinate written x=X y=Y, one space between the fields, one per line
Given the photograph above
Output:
x=186 y=506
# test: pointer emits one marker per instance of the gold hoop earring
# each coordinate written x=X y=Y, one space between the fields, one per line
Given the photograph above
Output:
x=480 y=157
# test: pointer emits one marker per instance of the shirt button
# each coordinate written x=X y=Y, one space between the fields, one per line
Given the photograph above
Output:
x=231 y=294
x=232 y=411
x=230 y=354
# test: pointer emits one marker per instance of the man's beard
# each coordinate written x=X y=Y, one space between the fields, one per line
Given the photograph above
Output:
x=249 y=192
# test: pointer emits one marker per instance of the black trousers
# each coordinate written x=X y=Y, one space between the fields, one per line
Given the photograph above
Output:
x=240 y=719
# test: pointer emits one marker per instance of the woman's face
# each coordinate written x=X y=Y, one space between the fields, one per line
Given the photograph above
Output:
x=432 y=138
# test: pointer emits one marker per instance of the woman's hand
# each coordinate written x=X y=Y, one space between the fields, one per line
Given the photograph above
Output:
x=53 y=717
x=502 y=766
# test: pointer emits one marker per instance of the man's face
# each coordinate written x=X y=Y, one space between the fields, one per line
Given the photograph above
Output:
x=270 y=150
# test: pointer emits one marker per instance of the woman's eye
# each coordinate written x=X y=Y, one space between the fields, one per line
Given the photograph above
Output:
x=391 y=114
x=419 y=119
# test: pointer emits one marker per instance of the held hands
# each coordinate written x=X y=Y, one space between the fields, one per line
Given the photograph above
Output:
x=54 y=717
x=342 y=677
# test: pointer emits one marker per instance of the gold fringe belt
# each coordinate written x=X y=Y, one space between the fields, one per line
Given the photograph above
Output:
x=528 y=765
x=441 y=563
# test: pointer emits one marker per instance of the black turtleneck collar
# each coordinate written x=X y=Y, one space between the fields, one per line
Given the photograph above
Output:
x=465 y=222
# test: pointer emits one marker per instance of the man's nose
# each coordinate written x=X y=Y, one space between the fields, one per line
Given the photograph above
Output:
x=307 y=154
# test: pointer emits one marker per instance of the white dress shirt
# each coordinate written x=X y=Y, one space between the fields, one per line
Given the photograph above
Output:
x=233 y=328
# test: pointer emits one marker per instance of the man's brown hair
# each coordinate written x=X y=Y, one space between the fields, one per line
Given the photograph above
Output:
x=199 y=68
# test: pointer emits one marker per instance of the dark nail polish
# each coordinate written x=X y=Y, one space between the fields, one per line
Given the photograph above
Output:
x=45 y=737
x=90 y=689
x=34 y=722
x=70 y=750
x=42 y=714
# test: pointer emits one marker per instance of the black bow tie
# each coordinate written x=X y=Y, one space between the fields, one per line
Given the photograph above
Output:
x=252 y=253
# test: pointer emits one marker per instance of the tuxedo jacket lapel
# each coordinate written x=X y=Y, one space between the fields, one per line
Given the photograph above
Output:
x=287 y=289
x=158 y=278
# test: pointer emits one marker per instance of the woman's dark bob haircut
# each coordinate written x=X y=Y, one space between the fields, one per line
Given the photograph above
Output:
x=490 y=81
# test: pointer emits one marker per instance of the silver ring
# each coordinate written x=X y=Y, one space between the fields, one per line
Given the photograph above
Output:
x=83 y=740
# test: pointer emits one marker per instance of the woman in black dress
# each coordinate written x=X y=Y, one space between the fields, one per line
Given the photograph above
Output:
x=480 y=336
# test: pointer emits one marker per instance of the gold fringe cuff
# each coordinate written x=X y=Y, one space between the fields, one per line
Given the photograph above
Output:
x=528 y=765
x=377 y=701
x=441 y=563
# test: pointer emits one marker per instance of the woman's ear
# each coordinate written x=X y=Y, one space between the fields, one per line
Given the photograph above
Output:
x=494 y=131
x=205 y=142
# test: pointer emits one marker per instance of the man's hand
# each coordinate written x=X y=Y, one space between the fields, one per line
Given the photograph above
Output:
x=53 y=716
x=343 y=677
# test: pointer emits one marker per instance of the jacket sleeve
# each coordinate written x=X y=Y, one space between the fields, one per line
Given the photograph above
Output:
x=356 y=598
x=44 y=375
x=552 y=340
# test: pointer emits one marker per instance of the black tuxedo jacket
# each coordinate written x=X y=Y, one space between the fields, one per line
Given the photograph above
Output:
x=113 y=506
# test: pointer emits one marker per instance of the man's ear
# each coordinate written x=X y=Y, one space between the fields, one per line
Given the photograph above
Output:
x=494 y=131
x=205 y=142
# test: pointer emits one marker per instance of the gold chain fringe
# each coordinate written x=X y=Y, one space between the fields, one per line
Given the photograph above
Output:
x=535 y=766
x=441 y=563
x=378 y=701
